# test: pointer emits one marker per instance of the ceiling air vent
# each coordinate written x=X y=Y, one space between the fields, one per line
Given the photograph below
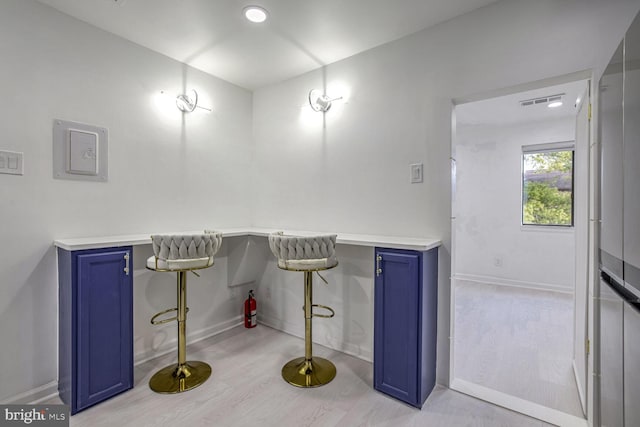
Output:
x=541 y=100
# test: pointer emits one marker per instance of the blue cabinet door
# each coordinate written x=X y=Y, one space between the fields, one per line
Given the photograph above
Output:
x=405 y=324
x=104 y=326
x=396 y=324
x=95 y=325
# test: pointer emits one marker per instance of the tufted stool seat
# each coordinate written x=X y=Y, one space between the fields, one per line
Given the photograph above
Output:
x=181 y=254
x=302 y=253
x=307 y=254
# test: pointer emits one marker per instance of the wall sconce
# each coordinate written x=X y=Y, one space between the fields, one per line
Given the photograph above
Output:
x=188 y=102
x=319 y=101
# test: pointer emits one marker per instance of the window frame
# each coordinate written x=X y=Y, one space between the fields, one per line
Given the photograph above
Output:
x=547 y=148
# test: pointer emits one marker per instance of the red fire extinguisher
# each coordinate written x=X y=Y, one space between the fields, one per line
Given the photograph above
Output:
x=250 y=311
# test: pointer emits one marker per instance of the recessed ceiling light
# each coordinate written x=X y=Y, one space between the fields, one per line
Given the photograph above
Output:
x=555 y=104
x=255 y=14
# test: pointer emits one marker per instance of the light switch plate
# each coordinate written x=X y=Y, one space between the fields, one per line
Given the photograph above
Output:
x=11 y=163
x=80 y=151
x=416 y=173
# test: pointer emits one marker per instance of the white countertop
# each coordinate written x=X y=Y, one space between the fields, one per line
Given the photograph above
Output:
x=395 y=242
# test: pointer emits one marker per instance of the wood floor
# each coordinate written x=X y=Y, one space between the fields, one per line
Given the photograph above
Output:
x=246 y=389
x=517 y=341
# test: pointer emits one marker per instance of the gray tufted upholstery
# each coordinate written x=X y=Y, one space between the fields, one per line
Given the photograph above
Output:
x=184 y=252
x=186 y=246
x=304 y=252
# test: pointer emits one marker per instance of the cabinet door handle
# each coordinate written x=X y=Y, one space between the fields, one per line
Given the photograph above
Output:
x=126 y=263
x=378 y=269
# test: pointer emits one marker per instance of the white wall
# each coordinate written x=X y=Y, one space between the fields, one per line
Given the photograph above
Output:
x=488 y=209
x=165 y=173
x=350 y=172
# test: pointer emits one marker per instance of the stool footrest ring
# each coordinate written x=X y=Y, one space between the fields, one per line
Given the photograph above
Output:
x=163 y=321
x=324 y=307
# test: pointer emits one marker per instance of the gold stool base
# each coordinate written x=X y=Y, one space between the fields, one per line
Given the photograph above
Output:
x=178 y=378
x=313 y=373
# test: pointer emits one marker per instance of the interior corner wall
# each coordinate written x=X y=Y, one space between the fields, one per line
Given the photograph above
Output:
x=488 y=209
x=167 y=171
x=348 y=169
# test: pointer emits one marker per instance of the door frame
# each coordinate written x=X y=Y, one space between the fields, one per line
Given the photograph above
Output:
x=590 y=229
x=581 y=195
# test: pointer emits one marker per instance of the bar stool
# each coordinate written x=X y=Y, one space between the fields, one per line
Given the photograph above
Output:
x=308 y=254
x=181 y=254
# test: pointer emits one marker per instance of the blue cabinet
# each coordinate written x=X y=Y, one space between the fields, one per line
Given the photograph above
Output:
x=405 y=316
x=96 y=325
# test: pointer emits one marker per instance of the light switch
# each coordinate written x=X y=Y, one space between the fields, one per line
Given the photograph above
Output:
x=82 y=152
x=416 y=173
x=11 y=162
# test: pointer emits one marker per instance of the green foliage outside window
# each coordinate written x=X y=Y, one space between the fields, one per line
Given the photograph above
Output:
x=548 y=188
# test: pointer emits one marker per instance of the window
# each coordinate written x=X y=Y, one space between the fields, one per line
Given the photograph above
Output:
x=547 y=184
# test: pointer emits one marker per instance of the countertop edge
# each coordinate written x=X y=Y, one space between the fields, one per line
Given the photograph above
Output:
x=395 y=242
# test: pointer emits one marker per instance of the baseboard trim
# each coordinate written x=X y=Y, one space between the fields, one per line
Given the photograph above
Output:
x=35 y=395
x=543 y=413
x=296 y=331
x=513 y=283
x=192 y=338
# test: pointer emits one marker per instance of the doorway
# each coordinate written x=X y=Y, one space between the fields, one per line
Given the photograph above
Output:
x=519 y=251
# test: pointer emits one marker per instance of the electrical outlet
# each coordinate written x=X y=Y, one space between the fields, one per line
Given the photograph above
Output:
x=497 y=261
x=268 y=293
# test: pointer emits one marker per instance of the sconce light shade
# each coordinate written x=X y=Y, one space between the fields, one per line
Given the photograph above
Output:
x=319 y=101
x=187 y=102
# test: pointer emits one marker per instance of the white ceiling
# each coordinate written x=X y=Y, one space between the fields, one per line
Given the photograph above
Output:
x=300 y=35
x=506 y=109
